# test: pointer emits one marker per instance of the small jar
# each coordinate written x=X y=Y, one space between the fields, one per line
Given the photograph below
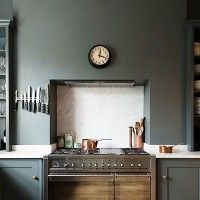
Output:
x=77 y=145
x=60 y=142
x=68 y=141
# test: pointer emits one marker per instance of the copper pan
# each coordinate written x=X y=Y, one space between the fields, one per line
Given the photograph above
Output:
x=90 y=145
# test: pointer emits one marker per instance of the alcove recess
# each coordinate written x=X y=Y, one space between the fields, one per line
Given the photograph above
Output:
x=127 y=99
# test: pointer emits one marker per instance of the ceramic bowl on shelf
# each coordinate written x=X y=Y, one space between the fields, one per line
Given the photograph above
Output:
x=197 y=85
x=197 y=68
x=196 y=48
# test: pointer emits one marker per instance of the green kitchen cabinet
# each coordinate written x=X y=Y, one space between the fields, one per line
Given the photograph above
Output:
x=20 y=179
x=6 y=83
x=178 y=179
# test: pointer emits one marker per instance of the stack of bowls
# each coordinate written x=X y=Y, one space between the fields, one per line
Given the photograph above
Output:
x=196 y=48
x=197 y=85
x=197 y=105
x=197 y=68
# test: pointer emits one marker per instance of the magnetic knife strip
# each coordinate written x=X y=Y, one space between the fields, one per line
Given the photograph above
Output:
x=33 y=100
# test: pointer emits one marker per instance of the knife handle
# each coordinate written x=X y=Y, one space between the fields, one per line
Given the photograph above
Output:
x=47 y=109
x=16 y=105
x=42 y=108
x=38 y=107
x=30 y=106
x=26 y=105
x=22 y=104
x=33 y=107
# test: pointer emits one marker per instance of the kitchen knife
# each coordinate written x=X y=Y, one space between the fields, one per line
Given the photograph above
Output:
x=38 y=100
x=16 y=100
x=47 y=99
x=25 y=102
x=33 y=101
x=22 y=100
x=42 y=101
x=29 y=99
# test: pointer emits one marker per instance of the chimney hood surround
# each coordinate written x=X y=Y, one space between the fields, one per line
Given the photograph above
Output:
x=97 y=109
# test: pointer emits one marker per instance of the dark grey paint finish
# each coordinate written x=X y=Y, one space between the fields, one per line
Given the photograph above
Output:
x=16 y=180
x=182 y=179
x=190 y=88
x=6 y=9
x=147 y=41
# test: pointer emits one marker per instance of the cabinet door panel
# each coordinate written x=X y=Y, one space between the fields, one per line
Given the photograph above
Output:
x=183 y=183
x=132 y=188
x=16 y=179
x=178 y=179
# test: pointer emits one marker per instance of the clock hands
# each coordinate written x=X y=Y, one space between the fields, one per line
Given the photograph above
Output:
x=99 y=53
x=102 y=56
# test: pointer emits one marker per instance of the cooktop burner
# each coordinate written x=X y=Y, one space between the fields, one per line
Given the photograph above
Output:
x=134 y=151
x=101 y=151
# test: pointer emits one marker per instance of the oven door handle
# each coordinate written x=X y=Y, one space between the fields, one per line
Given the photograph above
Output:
x=135 y=177
x=80 y=177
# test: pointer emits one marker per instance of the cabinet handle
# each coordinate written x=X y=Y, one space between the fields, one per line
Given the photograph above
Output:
x=164 y=177
x=35 y=178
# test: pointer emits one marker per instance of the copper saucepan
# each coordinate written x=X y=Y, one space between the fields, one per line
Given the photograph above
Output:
x=165 y=149
x=90 y=145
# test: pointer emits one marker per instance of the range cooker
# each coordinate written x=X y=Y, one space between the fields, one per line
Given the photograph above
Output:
x=108 y=173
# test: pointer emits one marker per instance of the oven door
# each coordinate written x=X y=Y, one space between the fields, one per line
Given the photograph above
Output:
x=81 y=187
x=132 y=187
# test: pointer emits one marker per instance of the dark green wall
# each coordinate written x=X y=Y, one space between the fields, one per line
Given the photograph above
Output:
x=147 y=39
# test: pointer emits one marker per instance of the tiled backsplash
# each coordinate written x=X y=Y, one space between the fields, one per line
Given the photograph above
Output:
x=99 y=112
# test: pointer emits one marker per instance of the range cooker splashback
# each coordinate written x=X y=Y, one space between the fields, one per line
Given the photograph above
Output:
x=99 y=110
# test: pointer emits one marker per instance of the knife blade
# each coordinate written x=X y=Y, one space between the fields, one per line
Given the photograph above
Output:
x=46 y=99
x=29 y=99
x=16 y=100
x=25 y=102
x=38 y=99
x=22 y=100
x=42 y=101
x=33 y=101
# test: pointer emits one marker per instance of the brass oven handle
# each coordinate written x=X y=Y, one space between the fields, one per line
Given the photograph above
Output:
x=125 y=176
x=77 y=175
x=133 y=175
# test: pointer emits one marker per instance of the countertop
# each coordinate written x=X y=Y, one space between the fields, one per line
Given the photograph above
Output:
x=39 y=151
x=179 y=151
x=28 y=151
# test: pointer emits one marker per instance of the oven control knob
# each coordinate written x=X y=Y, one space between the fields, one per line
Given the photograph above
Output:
x=96 y=164
x=115 y=165
x=82 y=165
x=139 y=165
x=122 y=165
x=66 y=165
x=90 y=165
x=132 y=165
x=102 y=165
x=73 y=165
x=108 y=164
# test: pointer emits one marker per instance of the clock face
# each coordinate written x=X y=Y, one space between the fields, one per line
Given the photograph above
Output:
x=99 y=56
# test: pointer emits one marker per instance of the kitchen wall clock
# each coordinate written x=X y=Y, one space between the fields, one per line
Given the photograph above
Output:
x=99 y=56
